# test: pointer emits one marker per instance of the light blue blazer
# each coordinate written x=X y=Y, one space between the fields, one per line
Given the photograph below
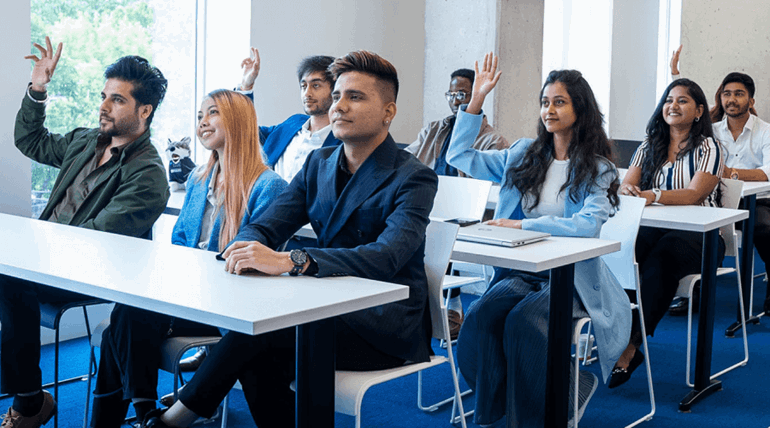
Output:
x=187 y=230
x=601 y=294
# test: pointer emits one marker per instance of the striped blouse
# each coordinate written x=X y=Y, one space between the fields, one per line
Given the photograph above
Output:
x=705 y=158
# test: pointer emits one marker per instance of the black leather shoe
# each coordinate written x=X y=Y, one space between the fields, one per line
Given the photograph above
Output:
x=679 y=307
x=152 y=419
x=190 y=364
x=620 y=375
x=168 y=399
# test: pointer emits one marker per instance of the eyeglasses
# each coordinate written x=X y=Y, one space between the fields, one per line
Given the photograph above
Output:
x=459 y=96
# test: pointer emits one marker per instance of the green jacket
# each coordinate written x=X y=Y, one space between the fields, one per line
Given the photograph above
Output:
x=127 y=198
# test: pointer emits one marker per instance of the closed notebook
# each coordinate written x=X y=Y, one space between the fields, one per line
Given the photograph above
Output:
x=502 y=236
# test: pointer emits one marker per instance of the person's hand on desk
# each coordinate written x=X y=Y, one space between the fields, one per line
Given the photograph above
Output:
x=631 y=190
x=248 y=256
x=504 y=222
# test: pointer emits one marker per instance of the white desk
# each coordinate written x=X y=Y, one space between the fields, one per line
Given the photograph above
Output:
x=707 y=221
x=192 y=284
x=557 y=254
x=750 y=191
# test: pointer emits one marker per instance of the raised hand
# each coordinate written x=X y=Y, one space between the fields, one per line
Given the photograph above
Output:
x=675 y=61
x=45 y=66
x=485 y=80
x=250 y=68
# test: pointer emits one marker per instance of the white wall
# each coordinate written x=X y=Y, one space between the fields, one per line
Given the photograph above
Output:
x=287 y=31
x=634 y=59
x=15 y=172
x=721 y=36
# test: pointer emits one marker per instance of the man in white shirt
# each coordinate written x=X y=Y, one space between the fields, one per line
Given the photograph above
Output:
x=746 y=140
x=288 y=144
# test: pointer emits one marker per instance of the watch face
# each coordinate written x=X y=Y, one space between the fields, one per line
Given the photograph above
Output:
x=298 y=257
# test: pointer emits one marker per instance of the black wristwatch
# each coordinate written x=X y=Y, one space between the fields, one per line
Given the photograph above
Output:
x=299 y=258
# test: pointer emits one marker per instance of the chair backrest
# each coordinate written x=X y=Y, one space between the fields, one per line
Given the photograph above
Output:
x=439 y=241
x=460 y=197
x=731 y=198
x=623 y=227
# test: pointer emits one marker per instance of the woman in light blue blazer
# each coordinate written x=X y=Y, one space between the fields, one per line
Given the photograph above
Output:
x=562 y=183
x=225 y=194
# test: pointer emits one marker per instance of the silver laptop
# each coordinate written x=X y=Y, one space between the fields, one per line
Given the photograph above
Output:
x=496 y=235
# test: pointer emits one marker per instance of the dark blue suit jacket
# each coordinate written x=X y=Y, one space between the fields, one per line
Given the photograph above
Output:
x=375 y=230
x=276 y=138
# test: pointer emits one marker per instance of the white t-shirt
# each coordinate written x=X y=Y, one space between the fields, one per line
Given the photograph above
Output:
x=551 y=196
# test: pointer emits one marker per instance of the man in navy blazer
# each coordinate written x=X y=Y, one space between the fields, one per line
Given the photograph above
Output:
x=368 y=202
x=287 y=144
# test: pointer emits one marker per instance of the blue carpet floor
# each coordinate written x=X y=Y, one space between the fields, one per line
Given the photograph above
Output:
x=742 y=402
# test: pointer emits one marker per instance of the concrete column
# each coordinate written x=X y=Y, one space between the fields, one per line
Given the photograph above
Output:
x=519 y=41
x=457 y=33
x=720 y=37
x=633 y=68
x=15 y=172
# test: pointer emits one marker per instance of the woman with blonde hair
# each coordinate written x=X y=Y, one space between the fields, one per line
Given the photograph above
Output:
x=233 y=188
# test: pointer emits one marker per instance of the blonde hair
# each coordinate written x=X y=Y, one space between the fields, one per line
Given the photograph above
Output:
x=242 y=163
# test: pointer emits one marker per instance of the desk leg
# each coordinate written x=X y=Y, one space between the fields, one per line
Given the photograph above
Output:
x=703 y=383
x=747 y=266
x=559 y=335
x=315 y=374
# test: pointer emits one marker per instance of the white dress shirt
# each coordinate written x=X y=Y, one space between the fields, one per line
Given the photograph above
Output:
x=752 y=148
x=293 y=158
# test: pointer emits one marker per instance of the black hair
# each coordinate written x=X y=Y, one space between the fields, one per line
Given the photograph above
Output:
x=589 y=141
x=717 y=112
x=464 y=72
x=316 y=63
x=149 y=85
x=371 y=64
x=659 y=133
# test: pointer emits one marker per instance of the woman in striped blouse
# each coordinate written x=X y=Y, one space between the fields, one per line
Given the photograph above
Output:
x=679 y=163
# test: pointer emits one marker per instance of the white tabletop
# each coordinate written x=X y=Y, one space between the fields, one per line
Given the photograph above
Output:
x=549 y=253
x=749 y=188
x=178 y=281
x=690 y=217
x=755 y=187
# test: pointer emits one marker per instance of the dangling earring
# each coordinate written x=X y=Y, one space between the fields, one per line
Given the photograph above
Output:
x=697 y=118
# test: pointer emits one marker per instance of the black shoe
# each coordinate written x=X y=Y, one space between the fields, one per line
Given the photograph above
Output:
x=620 y=375
x=190 y=364
x=152 y=420
x=168 y=399
x=679 y=307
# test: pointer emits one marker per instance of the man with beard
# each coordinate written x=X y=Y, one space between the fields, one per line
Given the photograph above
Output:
x=112 y=179
x=286 y=145
x=746 y=140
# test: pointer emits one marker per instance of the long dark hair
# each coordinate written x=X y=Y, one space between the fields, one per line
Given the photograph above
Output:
x=659 y=132
x=588 y=141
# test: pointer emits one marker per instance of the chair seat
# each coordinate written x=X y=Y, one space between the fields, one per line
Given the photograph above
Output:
x=684 y=283
x=174 y=348
x=350 y=386
x=454 y=281
x=51 y=312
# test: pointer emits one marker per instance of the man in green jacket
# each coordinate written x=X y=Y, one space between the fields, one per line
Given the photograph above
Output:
x=111 y=179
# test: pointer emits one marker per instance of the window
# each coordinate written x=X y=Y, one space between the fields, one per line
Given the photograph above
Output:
x=95 y=33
